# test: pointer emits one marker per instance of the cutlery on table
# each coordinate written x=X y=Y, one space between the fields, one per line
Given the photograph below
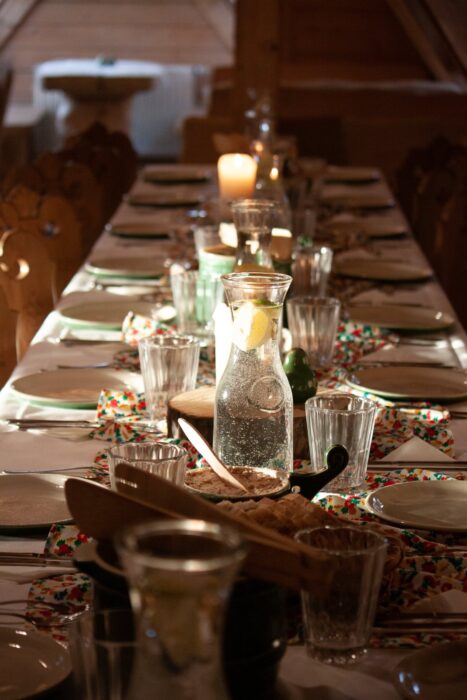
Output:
x=96 y=365
x=72 y=342
x=51 y=423
x=33 y=559
x=404 y=363
x=457 y=465
x=59 y=470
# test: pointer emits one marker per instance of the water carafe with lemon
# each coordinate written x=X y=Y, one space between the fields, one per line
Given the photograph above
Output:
x=253 y=415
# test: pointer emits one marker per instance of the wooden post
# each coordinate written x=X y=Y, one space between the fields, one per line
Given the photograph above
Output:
x=257 y=53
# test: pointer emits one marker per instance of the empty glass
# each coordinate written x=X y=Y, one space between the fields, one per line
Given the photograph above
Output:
x=206 y=237
x=311 y=269
x=167 y=461
x=195 y=297
x=313 y=324
x=102 y=650
x=341 y=419
x=169 y=366
x=338 y=615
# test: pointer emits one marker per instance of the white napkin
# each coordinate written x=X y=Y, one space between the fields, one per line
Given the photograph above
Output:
x=27 y=574
x=416 y=449
x=25 y=450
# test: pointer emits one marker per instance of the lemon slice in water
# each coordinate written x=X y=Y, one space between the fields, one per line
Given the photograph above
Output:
x=253 y=325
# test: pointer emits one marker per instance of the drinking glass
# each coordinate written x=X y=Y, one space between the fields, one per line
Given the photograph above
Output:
x=180 y=575
x=169 y=366
x=206 y=237
x=195 y=297
x=166 y=461
x=341 y=419
x=338 y=615
x=313 y=324
x=311 y=269
x=102 y=650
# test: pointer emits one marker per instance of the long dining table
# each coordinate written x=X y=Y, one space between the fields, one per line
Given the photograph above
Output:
x=59 y=450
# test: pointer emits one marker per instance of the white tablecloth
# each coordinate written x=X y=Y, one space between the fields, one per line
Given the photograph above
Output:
x=26 y=450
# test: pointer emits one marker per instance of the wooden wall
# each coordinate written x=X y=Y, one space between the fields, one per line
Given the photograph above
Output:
x=164 y=31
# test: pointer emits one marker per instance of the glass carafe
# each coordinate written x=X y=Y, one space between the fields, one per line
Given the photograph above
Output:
x=252 y=219
x=253 y=414
x=180 y=575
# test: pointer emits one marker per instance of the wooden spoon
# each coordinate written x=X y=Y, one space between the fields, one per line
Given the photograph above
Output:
x=205 y=449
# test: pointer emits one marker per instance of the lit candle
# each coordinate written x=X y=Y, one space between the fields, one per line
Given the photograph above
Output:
x=237 y=175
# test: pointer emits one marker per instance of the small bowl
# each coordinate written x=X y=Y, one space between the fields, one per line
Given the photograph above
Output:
x=282 y=487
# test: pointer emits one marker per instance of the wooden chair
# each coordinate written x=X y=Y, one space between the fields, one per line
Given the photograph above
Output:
x=55 y=174
x=54 y=219
x=26 y=276
x=8 y=319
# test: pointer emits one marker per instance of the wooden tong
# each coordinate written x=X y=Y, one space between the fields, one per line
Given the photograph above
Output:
x=142 y=496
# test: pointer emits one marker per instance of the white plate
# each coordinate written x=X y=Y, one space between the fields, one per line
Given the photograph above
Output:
x=32 y=501
x=140 y=229
x=417 y=383
x=109 y=315
x=426 y=505
x=31 y=663
x=166 y=199
x=359 y=200
x=72 y=388
x=131 y=268
x=175 y=176
x=400 y=316
x=434 y=673
x=350 y=173
x=383 y=270
x=372 y=227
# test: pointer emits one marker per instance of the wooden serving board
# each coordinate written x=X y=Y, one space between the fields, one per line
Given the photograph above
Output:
x=197 y=407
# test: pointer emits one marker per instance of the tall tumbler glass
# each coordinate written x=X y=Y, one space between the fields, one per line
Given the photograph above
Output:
x=102 y=650
x=313 y=324
x=311 y=270
x=338 y=615
x=341 y=419
x=169 y=365
x=195 y=297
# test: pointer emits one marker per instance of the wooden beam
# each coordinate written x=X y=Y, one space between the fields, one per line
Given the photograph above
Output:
x=12 y=15
x=420 y=40
x=451 y=16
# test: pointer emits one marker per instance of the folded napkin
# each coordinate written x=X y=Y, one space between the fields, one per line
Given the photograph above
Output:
x=417 y=450
x=28 y=574
x=147 y=194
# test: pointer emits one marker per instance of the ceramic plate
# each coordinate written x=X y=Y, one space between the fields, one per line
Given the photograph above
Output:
x=417 y=383
x=434 y=673
x=72 y=388
x=166 y=199
x=382 y=270
x=32 y=501
x=337 y=173
x=139 y=268
x=31 y=663
x=359 y=200
x=175 y=176
x=400 y=316
x=371 y=226
x=109 y=315
x=140 y=229
x=427 y=505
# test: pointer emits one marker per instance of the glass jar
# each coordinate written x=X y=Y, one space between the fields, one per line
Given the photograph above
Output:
x=253 y=414
x=252 y=219
x=180 y=575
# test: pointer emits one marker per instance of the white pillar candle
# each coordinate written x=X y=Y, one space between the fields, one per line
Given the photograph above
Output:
x=237 y=175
